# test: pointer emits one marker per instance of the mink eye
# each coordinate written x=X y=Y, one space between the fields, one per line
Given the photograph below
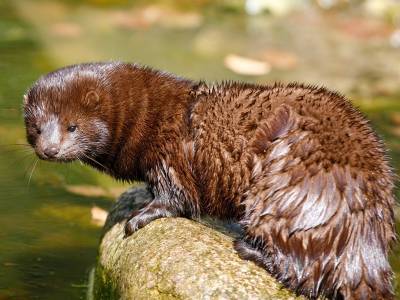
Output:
x=38 y=131
x=71 y=128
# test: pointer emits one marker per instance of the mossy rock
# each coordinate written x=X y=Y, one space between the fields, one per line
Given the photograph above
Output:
x=174 y=258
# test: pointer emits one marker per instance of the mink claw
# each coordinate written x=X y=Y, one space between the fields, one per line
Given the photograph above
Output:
x=129 y=229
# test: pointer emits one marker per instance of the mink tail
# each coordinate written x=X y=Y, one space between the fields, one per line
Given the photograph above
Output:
x=319 y=225
x=358 y=269
x=324 y=244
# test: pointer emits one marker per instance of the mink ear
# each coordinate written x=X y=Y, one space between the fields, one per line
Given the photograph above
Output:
x=92 y=98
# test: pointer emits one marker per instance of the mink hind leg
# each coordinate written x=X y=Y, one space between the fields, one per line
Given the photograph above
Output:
x=248 y=249
x=344 y=264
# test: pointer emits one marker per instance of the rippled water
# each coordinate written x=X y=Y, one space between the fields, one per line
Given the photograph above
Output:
x=48 y=239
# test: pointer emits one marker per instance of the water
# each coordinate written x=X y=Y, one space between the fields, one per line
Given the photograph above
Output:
x=48 y=240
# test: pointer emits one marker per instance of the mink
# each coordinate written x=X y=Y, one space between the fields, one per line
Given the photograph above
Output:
x=296 y=165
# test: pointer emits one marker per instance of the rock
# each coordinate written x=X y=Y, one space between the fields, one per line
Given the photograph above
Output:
x=66 y=30
x=276 y=8
x=145 y=17
x=99 y=215
x=246 y=66
x=280 y=59
x=87 y=190
x=174 y=258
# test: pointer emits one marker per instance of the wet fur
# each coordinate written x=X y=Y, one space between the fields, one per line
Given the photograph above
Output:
x=298 y=166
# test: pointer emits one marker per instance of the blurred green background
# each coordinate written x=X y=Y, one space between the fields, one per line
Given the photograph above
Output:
x=48 y=213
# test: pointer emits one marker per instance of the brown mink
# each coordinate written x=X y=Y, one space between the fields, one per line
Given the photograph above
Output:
x=298 y=166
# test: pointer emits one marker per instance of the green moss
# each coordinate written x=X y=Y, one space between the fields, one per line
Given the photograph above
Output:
x=103 y=285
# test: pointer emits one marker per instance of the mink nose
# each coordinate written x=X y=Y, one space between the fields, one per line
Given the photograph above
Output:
x=51 y=151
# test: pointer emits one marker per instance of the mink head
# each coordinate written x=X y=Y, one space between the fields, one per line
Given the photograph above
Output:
x=62 y=112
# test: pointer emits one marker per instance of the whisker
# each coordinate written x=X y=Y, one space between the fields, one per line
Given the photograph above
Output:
x=80 y=162
x=16 y=144
x=18 y=160
x=68 y=148
x=9 y=109
x=25 y=156
x=33 y=169
x=27 y=166
x=95 y=161
x=24 y=150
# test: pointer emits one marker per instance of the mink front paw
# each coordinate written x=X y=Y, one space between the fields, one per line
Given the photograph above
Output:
x=141 y=218
x=135 y=223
